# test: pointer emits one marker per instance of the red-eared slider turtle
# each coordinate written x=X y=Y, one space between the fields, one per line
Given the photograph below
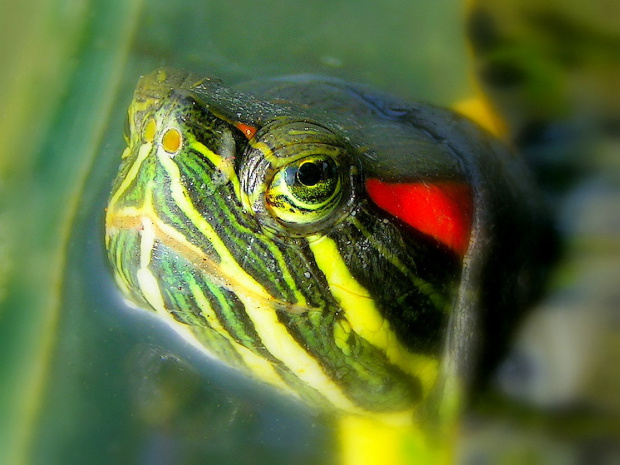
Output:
x=359 y=252
x=88 y=380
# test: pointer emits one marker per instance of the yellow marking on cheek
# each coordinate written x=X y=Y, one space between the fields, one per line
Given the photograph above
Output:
x=363 y=315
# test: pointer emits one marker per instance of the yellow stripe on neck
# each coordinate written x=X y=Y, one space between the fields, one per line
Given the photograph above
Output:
x=365 y=441
x=364 y=317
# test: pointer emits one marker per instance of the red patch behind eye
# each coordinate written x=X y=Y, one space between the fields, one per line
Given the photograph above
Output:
x=441 y=210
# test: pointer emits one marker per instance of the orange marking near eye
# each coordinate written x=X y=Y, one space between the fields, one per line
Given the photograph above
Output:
x=171 y=142
x=247 y=130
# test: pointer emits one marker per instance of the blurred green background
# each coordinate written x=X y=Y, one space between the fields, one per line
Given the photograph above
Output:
x=85 y=379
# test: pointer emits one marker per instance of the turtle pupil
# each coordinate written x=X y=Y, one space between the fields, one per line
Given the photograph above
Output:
x=309 y=174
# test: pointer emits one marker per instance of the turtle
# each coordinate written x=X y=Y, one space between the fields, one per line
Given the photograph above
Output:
x=62 y=243
x=357 y=251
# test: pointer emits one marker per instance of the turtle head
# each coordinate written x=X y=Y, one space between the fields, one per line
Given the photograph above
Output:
x=258 y=230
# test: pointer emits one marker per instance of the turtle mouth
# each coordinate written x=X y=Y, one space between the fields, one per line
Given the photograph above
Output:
x=146 y=223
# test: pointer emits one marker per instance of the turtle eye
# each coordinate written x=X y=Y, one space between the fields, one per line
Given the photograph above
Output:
x=305 y=191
